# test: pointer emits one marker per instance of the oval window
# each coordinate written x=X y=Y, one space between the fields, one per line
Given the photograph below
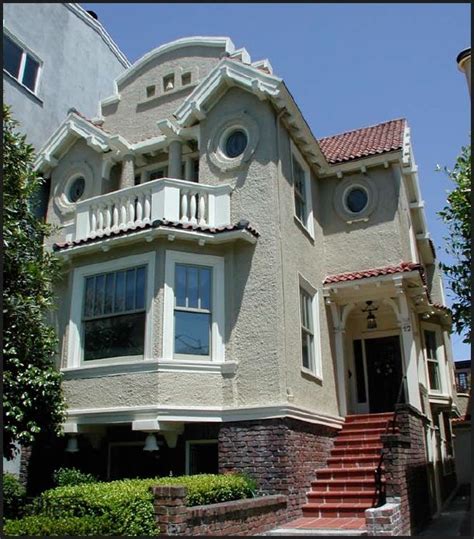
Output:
x=77 y=189
x=235 y=143
x=357 y=200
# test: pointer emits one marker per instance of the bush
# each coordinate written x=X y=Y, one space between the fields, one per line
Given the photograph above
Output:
x=65 y=477
x=128 y=504
x=43 y=526
x=14 y=496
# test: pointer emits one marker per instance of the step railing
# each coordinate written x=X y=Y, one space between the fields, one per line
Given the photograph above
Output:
x=380 y=493
x=165 y=199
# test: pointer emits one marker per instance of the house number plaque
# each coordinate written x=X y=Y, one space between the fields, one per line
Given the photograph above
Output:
x=407 y=327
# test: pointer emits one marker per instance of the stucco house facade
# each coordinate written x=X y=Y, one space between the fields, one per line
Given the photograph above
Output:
x=236 y=290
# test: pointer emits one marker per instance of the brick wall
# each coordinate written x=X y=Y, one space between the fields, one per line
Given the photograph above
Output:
x=240 y=517
x=406 y=471
x=385 y=520
x=281 y=454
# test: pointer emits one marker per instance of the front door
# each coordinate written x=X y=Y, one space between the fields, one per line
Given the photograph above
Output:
x=384 y=372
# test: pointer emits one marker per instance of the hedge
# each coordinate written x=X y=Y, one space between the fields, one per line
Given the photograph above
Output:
x=126 y=505
x=67 y=477
x=43 y=526
x=14 y=496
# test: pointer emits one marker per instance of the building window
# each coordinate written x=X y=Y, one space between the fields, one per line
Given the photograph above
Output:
x=114 y=314
x=201 y=457
x=194 y=307
x=302 y=190
x=168 y=83
x=235 y=143
x=158 y=173
x=20 y=64
x=185 y=79
x=310 y=353
x=111 y=311
x=431 y=356
x=356 y=199
x=150 y=91
x=76 y=190
x=462 y=382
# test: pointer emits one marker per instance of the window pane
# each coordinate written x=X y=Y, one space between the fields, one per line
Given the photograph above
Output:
x=192 y=332
x=11 y=56
x=140 y=289
x=130 y=290
x=29 y=75
x=305 y=350
x=434 y=375
x=119 y=292
x=203 y=458
x=300 y=209
x=205 y=287
x=109 y=293
x=180 y=285
x=114 y=337
x=89 y=297
x=192 y=287
x=99 y=295
x=430 y=341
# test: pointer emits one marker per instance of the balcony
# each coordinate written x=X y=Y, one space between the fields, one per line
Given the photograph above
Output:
x=177 y=201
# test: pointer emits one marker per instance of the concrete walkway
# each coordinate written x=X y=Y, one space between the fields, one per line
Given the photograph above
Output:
x=455 y=519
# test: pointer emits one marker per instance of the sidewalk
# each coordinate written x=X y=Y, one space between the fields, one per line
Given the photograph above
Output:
x=455 y=519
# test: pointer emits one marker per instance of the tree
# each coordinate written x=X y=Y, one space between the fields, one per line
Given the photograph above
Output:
x=457 y=216
x=32 y=397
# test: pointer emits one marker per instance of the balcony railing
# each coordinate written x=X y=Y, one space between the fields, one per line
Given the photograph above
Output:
x=166 y=198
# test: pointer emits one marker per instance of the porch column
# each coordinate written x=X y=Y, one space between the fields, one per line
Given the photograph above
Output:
x=175 y=159
x=409 y=354
x=188 y=169
x=340 y=371
x=127 y=177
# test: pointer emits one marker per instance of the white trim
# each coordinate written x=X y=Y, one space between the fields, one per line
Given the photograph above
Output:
x=202 y=414
x=217 y=350
x=443 y=392
x=295 y=154
x=195 y=442
x=75 y=343
x=316 y=370
x=202 y=41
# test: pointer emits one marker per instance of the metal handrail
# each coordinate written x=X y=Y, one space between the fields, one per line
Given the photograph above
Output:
x=379 y=488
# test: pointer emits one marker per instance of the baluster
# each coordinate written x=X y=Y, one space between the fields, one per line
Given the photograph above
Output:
x=131 y=210
x=147 y=207
x=100 y=220
x=93 y=215
x=140 y=207
x=123 y=213
x=108 y=216
x=192 y=207
x=115 y=215
x=184 y=206
x=202 y=209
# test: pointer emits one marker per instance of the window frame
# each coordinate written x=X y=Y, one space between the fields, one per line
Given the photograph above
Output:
x=440 y=359
x=295 y=155
x=21 y=71
x=315 y=369
x=217 y=346
x=75 y=352
x=188 y=444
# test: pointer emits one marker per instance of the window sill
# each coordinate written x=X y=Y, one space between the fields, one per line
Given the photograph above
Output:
x=306 y=373
x=23 y=87
x=153 y=365
x=438 y=397
x=304 y=229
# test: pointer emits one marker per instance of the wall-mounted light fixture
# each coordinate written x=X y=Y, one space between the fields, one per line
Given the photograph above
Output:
x=72 y=445
x=371 y=321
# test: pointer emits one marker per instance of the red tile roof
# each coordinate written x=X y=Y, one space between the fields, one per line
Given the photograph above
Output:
x=374 y=272
x=373 y=140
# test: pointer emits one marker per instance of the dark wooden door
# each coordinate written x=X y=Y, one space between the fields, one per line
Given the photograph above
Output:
x=384 y=372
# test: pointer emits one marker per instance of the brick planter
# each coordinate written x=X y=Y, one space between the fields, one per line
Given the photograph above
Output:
x=385 y=520
x=240 y=517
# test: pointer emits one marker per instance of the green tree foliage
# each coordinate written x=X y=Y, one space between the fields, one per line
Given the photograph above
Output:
x=457 y=216
x=32 y=398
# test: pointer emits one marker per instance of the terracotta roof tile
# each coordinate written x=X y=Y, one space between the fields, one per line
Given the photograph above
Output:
x=241 y=225
x=372 y=140
x=374 y=272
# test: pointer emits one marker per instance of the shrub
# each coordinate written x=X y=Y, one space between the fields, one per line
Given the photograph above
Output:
x=14 y=496
x=65 y=477
x=128 y=503
x=43 y=526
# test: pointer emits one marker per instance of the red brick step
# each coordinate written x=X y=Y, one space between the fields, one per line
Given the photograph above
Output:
x=352 y=509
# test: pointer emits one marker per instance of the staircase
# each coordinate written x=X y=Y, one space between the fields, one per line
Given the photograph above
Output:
x=343 y=490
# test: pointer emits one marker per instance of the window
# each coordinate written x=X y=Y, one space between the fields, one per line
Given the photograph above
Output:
x=310 y=353
x=76 y=190
x=114 y=314
x=462 y=382
x=302 y=190
x=150 y=91
x=431 y=356
x=168 y=82
x=111 y=311
x=356 y=199
x=194 y=307
x=235 y=143
x=158 y=173
x=185 y=79
x=201 y=457
x=20 y=64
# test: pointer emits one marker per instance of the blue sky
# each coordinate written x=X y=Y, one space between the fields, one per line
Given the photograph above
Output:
x=346 y=65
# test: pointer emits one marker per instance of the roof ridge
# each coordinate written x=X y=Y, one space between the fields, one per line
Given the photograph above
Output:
x=362 y=128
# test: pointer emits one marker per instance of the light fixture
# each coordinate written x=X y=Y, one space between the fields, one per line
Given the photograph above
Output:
x=371 y=321
x=150 y=443
x=72 y=446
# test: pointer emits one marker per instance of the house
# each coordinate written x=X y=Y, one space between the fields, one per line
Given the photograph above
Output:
x=236 y=292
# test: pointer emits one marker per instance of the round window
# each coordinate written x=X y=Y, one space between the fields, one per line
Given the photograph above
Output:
x=76 y=190
x=357 y=199
x=235 y=143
